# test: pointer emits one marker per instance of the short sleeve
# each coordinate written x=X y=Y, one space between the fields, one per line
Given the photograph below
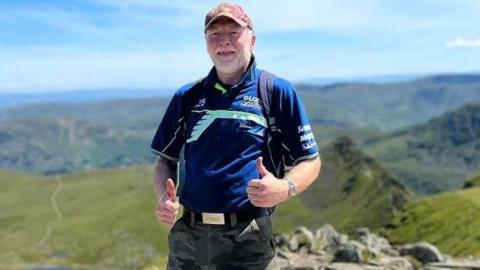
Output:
x=298 y=141
x=170 y=135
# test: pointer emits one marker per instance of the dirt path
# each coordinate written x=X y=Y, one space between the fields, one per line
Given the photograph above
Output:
x=53 y=201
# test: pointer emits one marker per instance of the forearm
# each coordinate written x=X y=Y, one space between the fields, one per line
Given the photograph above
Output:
x=304 y=174
x=164 y=169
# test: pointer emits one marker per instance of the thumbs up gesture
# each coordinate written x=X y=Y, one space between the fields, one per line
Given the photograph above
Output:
x=167 y=207
x=267 y=191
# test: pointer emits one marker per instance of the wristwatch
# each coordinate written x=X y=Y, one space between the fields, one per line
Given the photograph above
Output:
x=292 y=190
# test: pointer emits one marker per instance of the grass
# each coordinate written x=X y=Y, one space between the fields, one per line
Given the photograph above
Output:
x=107 y=219
x=449 y=221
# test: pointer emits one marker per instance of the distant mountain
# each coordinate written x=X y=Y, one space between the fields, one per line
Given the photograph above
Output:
x=61 y=137
x=8 y=100
x=58 y=138
x=385 y=103
x=389 y=106
x=448 y=220
x=353 y=190
x=436 y=156
x=366 y=79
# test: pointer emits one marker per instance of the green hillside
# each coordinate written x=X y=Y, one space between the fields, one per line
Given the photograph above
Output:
x=102 y=218
x=389 y=106
x=59 y=138
x=436 y=156
x=449 y=221
x=352 y=191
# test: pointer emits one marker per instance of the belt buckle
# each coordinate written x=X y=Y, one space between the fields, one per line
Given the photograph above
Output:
x=213 y=218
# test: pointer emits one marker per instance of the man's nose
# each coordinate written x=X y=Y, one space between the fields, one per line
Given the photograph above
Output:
x=225 y=39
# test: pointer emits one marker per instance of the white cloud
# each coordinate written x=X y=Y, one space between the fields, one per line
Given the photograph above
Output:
x=461 y=43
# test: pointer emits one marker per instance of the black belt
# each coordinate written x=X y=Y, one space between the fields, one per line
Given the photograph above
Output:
x=229 y=219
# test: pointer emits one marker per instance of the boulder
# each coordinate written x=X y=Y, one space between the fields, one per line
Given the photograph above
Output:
x=397 y=263
x=328 y=239
x=455 y=264
x=352 y=266
x=423 y=252
x=348 y=253
x=363 y=236
x=280 y=240
x=374 y=243
x=304 y=238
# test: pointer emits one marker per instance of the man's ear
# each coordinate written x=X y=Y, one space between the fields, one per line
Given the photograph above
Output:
x=252 y=44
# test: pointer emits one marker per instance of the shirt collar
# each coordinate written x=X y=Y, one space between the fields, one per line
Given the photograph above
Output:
x=249 y=78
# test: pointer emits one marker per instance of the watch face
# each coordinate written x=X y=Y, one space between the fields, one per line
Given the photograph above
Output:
x=291 y=189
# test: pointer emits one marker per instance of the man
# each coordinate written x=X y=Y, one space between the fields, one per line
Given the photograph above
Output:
x=228 y=193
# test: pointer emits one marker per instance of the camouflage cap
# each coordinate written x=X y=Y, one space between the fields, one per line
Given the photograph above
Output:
x=229 y=10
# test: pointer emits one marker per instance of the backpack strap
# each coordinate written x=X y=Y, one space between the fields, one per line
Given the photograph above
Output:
x=266 y=94
x=266 y=90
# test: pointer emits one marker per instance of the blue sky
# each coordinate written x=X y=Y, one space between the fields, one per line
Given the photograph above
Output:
x=56 y=45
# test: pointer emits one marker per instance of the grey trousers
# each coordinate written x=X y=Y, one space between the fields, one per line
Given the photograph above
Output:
x=247 y=245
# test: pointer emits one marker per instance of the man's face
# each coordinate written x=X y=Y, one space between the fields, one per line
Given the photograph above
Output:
x=229 y=46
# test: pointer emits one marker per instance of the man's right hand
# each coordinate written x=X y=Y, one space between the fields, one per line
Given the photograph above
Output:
x=167 y=208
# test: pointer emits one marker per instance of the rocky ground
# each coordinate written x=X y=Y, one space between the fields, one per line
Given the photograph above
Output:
x=326 y=249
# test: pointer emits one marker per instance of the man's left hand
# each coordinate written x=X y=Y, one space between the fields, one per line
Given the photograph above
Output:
x=267 y=191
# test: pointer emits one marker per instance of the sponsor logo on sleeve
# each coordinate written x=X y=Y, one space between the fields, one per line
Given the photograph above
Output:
x=305 y=128
x=306 y=146
x=306 y=137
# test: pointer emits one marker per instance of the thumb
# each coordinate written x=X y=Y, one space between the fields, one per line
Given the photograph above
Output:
x=261 y=169
x=171 y=190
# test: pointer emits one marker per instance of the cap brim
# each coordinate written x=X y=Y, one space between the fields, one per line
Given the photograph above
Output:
x=219 y=16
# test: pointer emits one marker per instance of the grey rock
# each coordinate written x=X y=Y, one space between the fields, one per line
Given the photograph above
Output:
x=295 y=260
x=280 y=240
x=455 y=264
x=397 y=263
x=326 y=230
x=329 y=250
x=298 y=268
x=351 y=266
x=304 y=237
x=423 y=252
x=374 y=243
x=363 y=236
x=293 y=244
x=348 y=254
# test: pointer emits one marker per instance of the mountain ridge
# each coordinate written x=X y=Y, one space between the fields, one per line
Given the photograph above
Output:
x=448 y=143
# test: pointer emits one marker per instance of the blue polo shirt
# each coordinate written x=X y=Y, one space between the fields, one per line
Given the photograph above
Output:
x=225 y=133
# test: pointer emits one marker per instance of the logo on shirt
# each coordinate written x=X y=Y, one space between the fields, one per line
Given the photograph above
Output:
x=200 y=103
x=302 y=129
x=306 y=137
x=211 y=115
x=252 y=102
x=306 y=146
